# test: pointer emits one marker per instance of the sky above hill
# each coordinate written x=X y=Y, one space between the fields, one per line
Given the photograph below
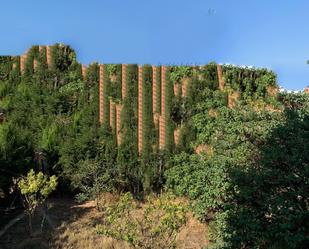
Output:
x=272 y=34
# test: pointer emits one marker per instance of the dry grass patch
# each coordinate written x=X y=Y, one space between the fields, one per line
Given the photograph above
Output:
x=193 y=235
x=75 y=226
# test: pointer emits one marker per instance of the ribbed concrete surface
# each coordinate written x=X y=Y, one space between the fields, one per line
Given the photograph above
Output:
x=124 y=81
x=140 y=109
x=154 y=90
x=162 y=123
x=176 y=136
x=101 y=83
x=118 y=123
x=156 y=119
x=177 y=89
x=41 y=49
x=184 y=87
x=220 y=79
x=23 y=62
x=84 y=71
x=112 y=117
x=48 y=56
x=35 y=65
x=162 y=126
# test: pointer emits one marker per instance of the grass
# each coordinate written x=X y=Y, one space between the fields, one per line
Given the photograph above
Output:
x=75 y=228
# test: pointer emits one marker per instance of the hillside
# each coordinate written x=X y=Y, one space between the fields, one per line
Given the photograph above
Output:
x=221 y=136
x=73 y=226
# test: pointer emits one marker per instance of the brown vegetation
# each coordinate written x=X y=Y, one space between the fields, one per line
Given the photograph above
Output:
x=232 y=99
x=212 y=113
x=74 y=227
x=204 y=148
x=272 y=91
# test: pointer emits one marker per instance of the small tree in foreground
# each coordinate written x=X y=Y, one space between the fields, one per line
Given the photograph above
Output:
x=35 y=188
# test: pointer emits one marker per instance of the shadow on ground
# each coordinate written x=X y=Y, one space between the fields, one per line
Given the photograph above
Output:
x=60 y=213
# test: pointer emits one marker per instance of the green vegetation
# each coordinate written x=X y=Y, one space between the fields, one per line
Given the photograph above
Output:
x=242 y=157
x=153 y=226
x=252 y=185
x=35 y=188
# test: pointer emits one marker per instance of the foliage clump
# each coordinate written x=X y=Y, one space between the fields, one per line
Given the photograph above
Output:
x=155 y=224
x=252 y=189
x=35 y=188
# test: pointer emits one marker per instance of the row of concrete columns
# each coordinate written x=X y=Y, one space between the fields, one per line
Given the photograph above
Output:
x=159 y=116
x=23 y=59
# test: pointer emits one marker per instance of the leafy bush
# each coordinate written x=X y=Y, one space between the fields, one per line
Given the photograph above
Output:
x=180 y=72
x=35 y=188
x=253 y=187
x=154 y=225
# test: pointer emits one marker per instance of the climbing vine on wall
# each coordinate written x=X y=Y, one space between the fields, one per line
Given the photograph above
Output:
x=76 y=94
x=250 y=82
x=106 y=89
x=177 y=73
x=6 y=64
x=169 y=134
x=114 y=72
x=147 y=119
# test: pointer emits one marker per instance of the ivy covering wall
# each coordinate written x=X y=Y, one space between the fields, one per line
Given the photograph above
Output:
x=183 y=87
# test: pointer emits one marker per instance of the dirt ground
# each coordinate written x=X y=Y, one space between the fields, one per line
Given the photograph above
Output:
x=72 y=226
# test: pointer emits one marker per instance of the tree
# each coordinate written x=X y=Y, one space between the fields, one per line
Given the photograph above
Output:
x=35 y=188
x=92 y=178
x=253 y=188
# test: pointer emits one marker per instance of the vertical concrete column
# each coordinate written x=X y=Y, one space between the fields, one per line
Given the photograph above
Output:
x=36 y=62
x=220 y=78
x=162 y=123
x=156 y=119
x=123 y=81
x=176 y=136
x=140 y=109
x=184 y=87
x=41 y=49
x=155 y=98
x=48 y=56
x=118 y=122
x=35 y=65
x=176 y=89
x=154 y=90
x=101 y=83
x=84 y=71
x=22 y=63
x=112 y=117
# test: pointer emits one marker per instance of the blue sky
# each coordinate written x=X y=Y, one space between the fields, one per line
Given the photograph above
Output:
x=262 y=33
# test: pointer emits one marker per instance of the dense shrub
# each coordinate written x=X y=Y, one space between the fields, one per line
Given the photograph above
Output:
x=253 y=187
x=153 y=225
